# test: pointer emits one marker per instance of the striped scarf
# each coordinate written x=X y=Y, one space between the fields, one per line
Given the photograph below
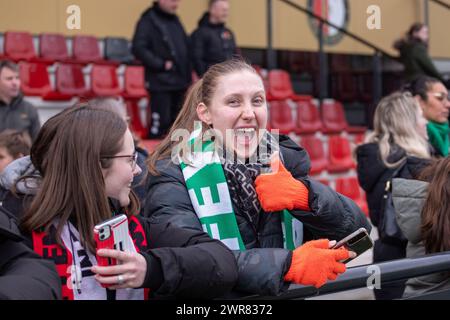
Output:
x=210 y=196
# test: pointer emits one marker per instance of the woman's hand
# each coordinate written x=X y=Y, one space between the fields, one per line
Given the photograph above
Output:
x=130 y=271
x=280 y=190
x=315 y=262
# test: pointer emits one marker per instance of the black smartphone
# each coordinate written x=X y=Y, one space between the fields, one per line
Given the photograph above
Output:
x=358 y=242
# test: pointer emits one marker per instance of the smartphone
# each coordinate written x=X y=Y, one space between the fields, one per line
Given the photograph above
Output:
x=112 y=234
x=358 y=242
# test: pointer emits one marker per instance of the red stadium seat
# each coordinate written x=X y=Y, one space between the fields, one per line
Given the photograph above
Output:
x=339 y=155
x=308 y=118
x=35 y=79
x=135 y=119
x=86 y=50
x=53 y=47
x=280 y=86
x=135 y=83
x=314 y=147
x=104 y=81
x=344 y=86
x=334 y=121
x=70 y=80
x=19 y=46
x=333 y=117
x=349 y=187
x=281 y=117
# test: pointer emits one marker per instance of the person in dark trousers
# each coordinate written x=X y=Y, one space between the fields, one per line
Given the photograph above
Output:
x=399 y=139
x=15 y=112
x=413 y=49
x=162 y=45
x=212 y=42
x=23 y=274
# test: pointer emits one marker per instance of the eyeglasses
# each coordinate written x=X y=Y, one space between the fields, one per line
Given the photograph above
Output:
x=441 y=96
x=133 y=158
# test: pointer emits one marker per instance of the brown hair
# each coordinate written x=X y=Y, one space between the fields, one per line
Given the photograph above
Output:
x=409 y=36
x=8 y=64
x=17 y=143
x=72 y=182
x=202 y=91
x=435 y=225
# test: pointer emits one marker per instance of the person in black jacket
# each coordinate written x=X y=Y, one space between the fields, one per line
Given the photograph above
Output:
x=230 y=99
x=399 y=139
x=212 y=42
x=23 y=274
x=87 y=163
x=162 y=45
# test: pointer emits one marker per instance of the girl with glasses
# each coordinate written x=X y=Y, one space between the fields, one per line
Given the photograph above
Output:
x=86 y=162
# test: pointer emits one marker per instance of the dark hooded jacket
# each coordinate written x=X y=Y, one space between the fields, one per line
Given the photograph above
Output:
x=263 y=264
x=160 y=37
x=373 y=174
x=415 y=58
x=23 y=274
x=211 y=44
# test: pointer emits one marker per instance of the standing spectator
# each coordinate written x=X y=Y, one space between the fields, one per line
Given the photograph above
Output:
x=15 y=112
x=212 y=42
x=162 y=45
x=13 y=145
x=433 y=98
x=399 y=139
x=413 y=50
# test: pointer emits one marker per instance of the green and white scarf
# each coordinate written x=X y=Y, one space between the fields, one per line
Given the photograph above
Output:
x=210 y=197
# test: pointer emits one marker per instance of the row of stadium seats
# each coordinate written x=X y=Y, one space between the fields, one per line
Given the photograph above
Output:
x=69 y=81
x=306 y=118
x=82 y=49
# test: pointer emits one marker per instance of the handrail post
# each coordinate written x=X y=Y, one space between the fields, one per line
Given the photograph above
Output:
x=426 y=13
x=271 y=62
x=323 y=68
x=377 y=87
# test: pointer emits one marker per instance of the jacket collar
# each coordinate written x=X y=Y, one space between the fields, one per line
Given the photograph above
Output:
x=14 y=102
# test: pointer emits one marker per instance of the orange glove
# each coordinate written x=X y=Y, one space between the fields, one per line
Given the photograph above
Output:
x=313 y=263
x=280 y=190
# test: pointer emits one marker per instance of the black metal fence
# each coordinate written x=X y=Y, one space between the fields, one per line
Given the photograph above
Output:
x=364 y=276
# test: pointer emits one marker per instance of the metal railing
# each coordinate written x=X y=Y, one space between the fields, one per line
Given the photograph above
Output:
x=441 y=3
x=360 y=277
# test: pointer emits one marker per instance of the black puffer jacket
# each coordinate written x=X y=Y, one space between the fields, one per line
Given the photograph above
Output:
x=373 y=174
x=263 y=265
x=211 y=44
x=160 y=37
x=23 y=274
